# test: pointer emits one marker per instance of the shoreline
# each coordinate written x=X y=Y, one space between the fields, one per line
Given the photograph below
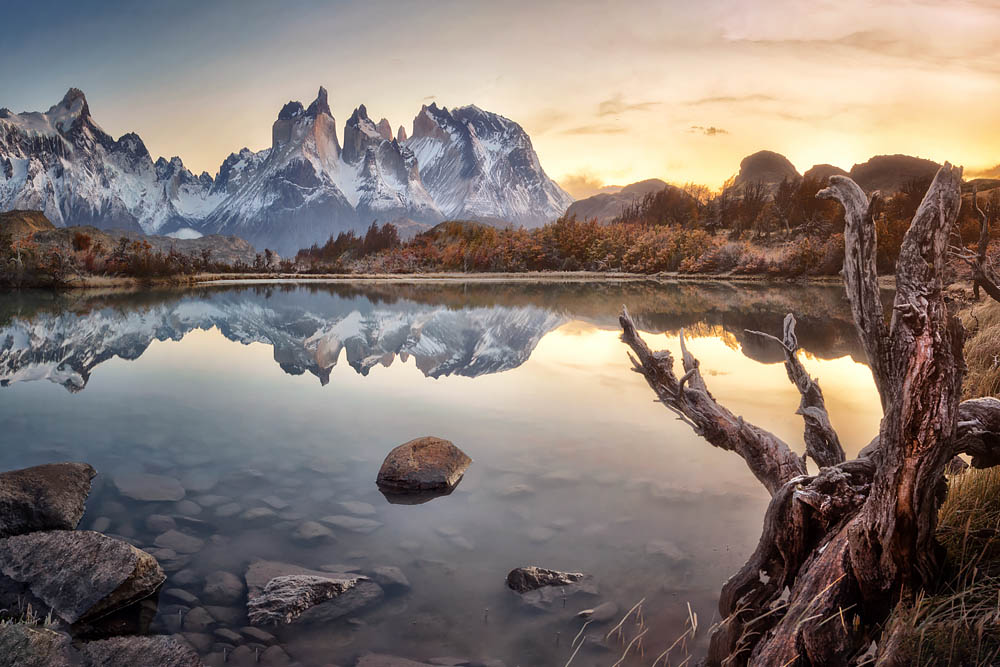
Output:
x=205 y=279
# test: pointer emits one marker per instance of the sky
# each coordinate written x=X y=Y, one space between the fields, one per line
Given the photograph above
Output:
x=610 y=92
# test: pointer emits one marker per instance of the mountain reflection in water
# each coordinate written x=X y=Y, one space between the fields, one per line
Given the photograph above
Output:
x=575 y=467
x=449 y=329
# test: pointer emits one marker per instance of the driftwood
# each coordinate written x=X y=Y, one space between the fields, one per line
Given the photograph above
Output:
x=839 y=548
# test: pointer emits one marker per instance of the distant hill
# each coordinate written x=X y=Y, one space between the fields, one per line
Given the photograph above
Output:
x=822 y=172
x=605 y=207
x=765 y=167
x=21 y=223
x=889 y=173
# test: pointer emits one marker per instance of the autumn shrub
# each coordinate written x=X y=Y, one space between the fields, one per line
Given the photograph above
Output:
x=81 y=241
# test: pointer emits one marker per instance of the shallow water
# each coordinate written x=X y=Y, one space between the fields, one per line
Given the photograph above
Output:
x=296 y=394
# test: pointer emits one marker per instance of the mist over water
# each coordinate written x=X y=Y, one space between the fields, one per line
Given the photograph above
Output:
x=298 y=393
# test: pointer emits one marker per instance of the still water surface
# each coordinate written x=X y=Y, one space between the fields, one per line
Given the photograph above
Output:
x=296 y=393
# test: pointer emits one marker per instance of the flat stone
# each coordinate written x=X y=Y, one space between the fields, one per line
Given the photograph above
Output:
x=200 y=640
x=160 y=523
x=424 y=464
x=259 y=515
x=46 y=497
x=231 y=616
x=275 y=502
x=666 y=550
x=179 y=542
x=197 y=620
x=390 y=577
x=78 y=574
x=227 y=635
x=354 y=524
x=357 y=507
x=310 y=532
x=149 y=488
x=275 y=656
x=228 y=510
x=187 y=508
x=258 y=635
x=180 y=595
x=199 y=480
x=185 y=578
x=222 y=588
x=193 y=525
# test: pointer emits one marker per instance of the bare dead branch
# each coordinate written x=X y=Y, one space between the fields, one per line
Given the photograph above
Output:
x=860 y=273
x=822 y=444
x=769 y=458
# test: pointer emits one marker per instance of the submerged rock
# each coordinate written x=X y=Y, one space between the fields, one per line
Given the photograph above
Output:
x=148 y=488
x=524 y=579
x=78 y=575
x=310 y=532
x=421 y=465
x=179 y=542
x=223 y=588
x=46 y=497
x=354 y=524
x=282 y=593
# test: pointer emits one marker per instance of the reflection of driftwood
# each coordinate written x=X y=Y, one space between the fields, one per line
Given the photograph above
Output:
x=840 y=547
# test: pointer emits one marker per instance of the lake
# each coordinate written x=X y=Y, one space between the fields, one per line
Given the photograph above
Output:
x=288 y=397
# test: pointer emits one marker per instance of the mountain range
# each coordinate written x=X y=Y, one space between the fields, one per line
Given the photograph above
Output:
x=464 y=163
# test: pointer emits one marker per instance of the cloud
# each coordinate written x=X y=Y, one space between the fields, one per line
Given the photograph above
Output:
x=709 y=131
x=617 y=104
x=985 y=172
x=600 y=128
x=585 y=184
x=732 y=99
x=430 y=97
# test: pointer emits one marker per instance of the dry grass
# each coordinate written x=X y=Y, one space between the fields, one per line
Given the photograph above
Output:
x=982 y=349
x=960 y=623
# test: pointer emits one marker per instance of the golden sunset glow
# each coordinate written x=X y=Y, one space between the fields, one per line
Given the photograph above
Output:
x=610 y=93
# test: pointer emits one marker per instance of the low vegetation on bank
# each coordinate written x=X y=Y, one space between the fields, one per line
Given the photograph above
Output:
x=783 y=231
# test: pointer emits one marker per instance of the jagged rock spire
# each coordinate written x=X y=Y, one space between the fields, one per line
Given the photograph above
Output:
x=320 y=104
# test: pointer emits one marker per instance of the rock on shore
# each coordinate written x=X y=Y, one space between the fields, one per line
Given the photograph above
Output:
x=45 y=497
x=78 y=575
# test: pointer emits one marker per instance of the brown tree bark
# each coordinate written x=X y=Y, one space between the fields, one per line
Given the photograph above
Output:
x=841 y=547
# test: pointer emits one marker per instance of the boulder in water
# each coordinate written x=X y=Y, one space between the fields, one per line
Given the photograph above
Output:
x=422 y=465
